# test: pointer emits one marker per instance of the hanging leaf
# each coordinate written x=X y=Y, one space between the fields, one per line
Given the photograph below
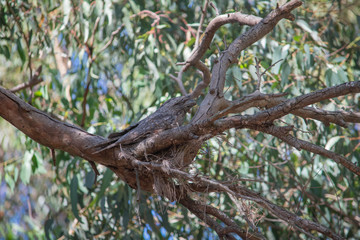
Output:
x=332 y=141
x=74 y=197
x=21 y=51
x=26 y=170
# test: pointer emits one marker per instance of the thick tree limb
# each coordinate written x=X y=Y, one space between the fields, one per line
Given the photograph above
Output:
x=48 y=131
x=55 y=134
x=200 y=49
x=260 y=100
x=297 y=106
x=269 y=115
x=339 y=117
x=135 y=164
x=307 y=99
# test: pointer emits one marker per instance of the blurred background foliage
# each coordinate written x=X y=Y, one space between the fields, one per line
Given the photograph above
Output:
x=118 y=57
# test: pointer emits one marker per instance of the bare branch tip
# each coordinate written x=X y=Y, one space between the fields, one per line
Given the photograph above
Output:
x=215 y=8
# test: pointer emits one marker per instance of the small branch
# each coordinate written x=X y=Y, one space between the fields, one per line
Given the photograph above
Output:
x=214 y=99
x=92 y=38
x=213 y=26
x=53 y=156
x=307 y=99
x=179 y=82
x=113 y=34
x=279 y=212
x=83 y=104
x=215 y=8
x=202 y=211
x=93 y=165
x=149 y=13
x=206 y=79
x=269 y=115
x=245 y=103
x=33 y=81
x=339 y=117
x=192 y=206
x=197 y=40
x=260 y=75
x=283 y=134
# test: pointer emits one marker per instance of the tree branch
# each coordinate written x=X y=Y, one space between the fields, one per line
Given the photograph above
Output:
x=203 y=184
x=214 y=100
x=283 y=134
x=269 y=115
x=198 y=32
x=48 y=131
x=206 y=79
x=211 y=29
x=202 y=211
x=33 y=81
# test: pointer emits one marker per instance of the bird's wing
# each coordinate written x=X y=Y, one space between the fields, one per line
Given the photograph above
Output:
x=123 y=132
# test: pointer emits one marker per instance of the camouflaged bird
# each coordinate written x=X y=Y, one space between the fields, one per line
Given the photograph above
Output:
x=171 y=114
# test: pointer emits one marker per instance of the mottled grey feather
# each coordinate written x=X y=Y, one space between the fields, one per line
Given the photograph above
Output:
x=171 y=114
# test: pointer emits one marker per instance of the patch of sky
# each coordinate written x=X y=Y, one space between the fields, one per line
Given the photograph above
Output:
x=19 y=210
x=146 y=234
x=163 y=232
x=119 y=67
x=191 y=3
x=155 y=214
x=102 y=84
x=75 y=63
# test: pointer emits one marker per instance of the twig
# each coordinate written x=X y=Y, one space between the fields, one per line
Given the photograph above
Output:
x=215 y=8
x=93 y=165
x=259 y=76
x=111 y=38
x=258 y=73
x=283 y=134
x=271 y=67
x=138 y=195
x=212 y=27
x=27 y=42
x=91 y=58
x=33 y=81
x=92 y=38
x=205 y=82
x=197 y=41
x=179 y=82
x=53 y=156
x=149 y=13
x=83 y=104
x=202 y=211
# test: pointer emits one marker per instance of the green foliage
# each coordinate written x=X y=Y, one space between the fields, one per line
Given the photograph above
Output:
x=129 y=78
